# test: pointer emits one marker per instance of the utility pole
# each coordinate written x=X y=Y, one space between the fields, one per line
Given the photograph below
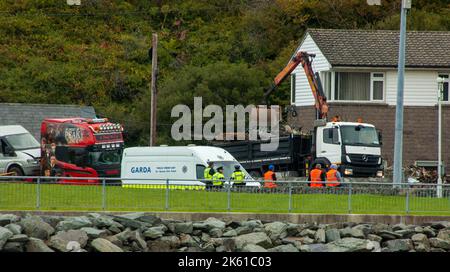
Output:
x=398 y=144
x=440 y=81
x=153 y=89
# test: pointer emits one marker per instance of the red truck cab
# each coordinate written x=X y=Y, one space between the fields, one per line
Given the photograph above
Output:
x=80 y=147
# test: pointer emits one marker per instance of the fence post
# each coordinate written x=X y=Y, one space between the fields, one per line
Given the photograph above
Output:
x=167 y=194
x=290 y=197
x=229 y=196
x=38 y=194
x=103 y=194
x=350 y=198
x=407 y=199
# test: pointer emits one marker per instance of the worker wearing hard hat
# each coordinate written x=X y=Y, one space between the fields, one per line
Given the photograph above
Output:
x=270 y=177
x=333 y=177
x=238 y=176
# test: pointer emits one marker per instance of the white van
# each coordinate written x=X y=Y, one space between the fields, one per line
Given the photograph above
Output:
x=20 y=152
x=175 y=163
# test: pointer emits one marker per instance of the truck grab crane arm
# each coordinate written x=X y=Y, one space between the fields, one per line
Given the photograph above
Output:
x=313 y=79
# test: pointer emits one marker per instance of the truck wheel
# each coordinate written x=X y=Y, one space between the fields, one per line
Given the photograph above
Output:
x=16 y=170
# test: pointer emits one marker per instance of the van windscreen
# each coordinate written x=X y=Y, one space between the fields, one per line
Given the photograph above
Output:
x=22 y=141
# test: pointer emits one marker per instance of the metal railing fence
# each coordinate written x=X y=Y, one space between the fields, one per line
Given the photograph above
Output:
x=115 y=194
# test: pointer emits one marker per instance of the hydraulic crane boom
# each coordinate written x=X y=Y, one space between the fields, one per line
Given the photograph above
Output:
x=313 y=79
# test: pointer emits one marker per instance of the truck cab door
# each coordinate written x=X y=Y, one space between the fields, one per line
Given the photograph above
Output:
x=328 y=144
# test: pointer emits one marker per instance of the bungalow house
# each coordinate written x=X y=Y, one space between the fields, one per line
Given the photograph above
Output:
x=30 y=116
x=358 y=70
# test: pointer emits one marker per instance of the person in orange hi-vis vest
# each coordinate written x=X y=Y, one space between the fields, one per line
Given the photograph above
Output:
x=270 y=177
x=333 y=177
x=316 y=177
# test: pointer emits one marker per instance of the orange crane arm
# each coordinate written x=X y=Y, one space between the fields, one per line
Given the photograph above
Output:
x=313 y=79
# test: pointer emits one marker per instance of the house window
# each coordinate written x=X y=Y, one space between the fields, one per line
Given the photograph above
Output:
x=326 y=84
x=377 y=85
x=293 y=88
x=358 y=86
x=446 y=83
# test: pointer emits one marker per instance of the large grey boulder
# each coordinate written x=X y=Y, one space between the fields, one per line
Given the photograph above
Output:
x=252 y=224
x=215 y=232
x=164 y=244
x=5 y=234
x=421 y=243
x=406 y=233
x=13 y=247
x=173 y=241
x=19 y=238
x=284 y=248
x=378 y=227
x=230 y=233
x=34 y=226
x=209 y=224
x=37 y=245
x=14 y=228
x=129 y=222
x=308 y=233
x=399 y=245
x=124 y=236
x=94 y=233
x=52 y=220
x=185 y=227
x=429 y=232
x=440 y=243
x=253 y=248
x=276 y=230
x=444 y=234
x=150 y=219
x=74 y=223
x=102 y=221
x=351 y=244
x=332 y=235
x=137 y=237
x=257 y=238
x=62 y=238
x=439 y=225
x=6 y=219
x=187 y=240
x=375 y=238
x=293 y=229
x=352 y=232
x=243 y=230
x=314 y=248
x=103 y=245
x=389 y=235
x=155 y=232
x=400 y=226
x=320 y=236
x=295 y=241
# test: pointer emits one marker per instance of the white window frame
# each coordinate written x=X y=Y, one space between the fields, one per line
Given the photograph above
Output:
x=372 y=80
x=448 y=82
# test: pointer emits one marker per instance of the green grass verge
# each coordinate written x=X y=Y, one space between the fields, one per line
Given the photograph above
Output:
x=56 y=197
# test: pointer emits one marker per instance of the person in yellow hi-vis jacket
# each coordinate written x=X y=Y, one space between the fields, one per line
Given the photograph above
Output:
x=218 y=178
x=208 y=174
x=238 y=176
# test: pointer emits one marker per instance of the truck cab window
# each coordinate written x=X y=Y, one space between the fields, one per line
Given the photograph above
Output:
x=331 y=136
